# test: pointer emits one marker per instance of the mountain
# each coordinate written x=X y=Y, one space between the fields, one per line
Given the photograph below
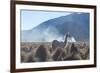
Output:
x=77 y=24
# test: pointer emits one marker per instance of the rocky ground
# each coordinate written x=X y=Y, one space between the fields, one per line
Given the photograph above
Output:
x=53 y=51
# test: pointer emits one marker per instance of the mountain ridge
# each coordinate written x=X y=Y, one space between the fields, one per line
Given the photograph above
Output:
x=76 y=24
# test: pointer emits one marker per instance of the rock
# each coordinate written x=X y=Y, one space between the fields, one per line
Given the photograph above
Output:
x=41 y=53
x=57 y=44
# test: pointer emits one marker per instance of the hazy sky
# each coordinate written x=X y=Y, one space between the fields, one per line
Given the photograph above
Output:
x=30 y=19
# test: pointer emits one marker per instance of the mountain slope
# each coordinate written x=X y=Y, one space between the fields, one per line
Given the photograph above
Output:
x=76 y=24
